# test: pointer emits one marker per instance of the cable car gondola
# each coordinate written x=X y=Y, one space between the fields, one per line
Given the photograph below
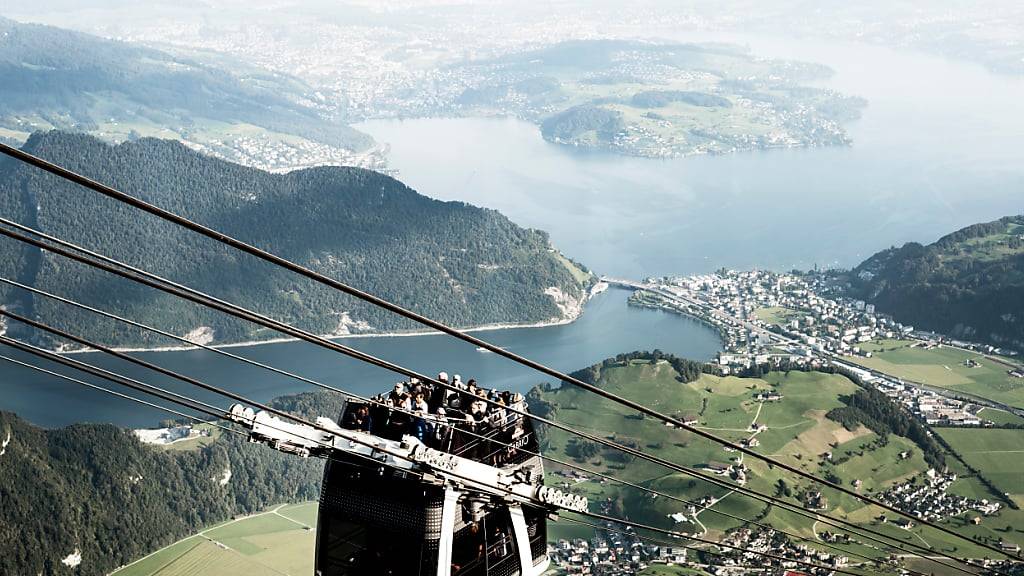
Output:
x=437 y=492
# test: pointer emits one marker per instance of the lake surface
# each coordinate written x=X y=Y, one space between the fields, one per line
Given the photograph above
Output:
x=609 y=327
x=940 y=146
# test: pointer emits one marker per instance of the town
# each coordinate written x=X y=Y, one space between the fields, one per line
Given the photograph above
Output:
x=619 y=551
x=771 y=319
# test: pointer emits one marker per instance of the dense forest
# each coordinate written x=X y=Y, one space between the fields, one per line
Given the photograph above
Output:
x=581 y=120
x=70 y=80
x=969 y=284
x=454 y=262
x=96 y=489
x=872 y=408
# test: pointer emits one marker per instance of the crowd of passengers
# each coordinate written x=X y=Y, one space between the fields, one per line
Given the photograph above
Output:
x=430 y=412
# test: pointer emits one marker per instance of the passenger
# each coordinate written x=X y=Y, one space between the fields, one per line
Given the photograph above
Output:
x=478 y=409
x=457 y=382
x=396 y=395
x=498 y=414
x=438 y=398
x=455 y=402
x=358 y=419
x=421 y=429
x=415 y=386
x=441 y=426
x=443 y=377
x=469 y=394
x=419 y=405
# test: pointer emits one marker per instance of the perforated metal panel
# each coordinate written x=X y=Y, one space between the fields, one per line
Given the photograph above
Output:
x=401 y=505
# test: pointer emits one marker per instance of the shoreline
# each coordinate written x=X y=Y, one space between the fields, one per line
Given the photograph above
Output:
x=575 y=314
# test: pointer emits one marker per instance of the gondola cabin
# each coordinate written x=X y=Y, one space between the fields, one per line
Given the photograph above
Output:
x=376 y=519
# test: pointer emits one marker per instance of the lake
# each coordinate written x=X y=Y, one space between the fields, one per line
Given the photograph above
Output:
x=939 y=147
x=608 y=327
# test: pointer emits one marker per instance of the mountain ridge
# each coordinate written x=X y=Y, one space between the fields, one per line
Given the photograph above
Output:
x=69 y=80
x=969 y=283
x=463 y=265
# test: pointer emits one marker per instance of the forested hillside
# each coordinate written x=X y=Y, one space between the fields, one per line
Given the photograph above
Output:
x=54 y=78
x=457 y=263
x=969 y=284
x=97 y=490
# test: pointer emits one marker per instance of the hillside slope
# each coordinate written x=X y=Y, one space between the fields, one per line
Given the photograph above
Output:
x=96 y=490
x=460 y=264
x=969 y=283
x=55 y=78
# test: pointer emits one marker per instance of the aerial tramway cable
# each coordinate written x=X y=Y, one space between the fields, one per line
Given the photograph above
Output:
x=118 y=394
x=179 y=220
x=357 y=397
x=829 y=520
x=130 y=383
x=159 y=283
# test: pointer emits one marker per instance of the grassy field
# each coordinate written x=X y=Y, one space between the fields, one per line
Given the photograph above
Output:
x=945 y=367
x=797 y=432
x=194 y=443
x=275 y=542
x=578 y=273
x=776 y=315
x=1000 y=416
x=998 y=454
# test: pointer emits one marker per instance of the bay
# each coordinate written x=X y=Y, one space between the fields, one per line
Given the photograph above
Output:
x=608 y=327
x=939 y=147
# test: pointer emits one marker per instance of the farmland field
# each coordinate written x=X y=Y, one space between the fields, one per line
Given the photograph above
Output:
x=273 y=542
x=946 y=368
x=998 y=453
x=798 y=432
x=1000 y=416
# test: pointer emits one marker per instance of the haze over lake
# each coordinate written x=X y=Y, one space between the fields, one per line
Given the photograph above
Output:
x=937 y=148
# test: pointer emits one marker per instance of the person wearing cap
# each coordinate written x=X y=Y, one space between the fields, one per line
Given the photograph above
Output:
x=443 y=377
x=397 y=394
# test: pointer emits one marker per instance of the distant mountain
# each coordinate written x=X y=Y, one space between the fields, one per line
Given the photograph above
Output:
x=94 y=493
x=55 y=78
x=968 y=284
x=457 y=263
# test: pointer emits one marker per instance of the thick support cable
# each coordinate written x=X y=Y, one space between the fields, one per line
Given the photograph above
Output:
x=118 y=394
x=117 y=378
x=126 y=271
x=386 y=305
x=357 y=397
